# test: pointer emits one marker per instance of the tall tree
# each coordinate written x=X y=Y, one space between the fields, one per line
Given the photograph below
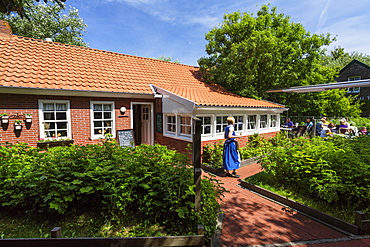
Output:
x=250 y=54
x=17 y=6
x=49 y=21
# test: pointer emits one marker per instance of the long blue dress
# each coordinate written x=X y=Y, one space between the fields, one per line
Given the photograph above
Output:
x=231 y=157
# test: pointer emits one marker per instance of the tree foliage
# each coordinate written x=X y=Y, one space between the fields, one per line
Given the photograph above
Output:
x=17 y=6
x=250 y=54
x=49 y=21
x=168 y=59
x=339 y=58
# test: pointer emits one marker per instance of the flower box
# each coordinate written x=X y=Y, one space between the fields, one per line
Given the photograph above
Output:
x=212 y=169
x=50 y=144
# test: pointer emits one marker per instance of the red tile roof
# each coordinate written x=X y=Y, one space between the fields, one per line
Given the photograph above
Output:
x=32 y=63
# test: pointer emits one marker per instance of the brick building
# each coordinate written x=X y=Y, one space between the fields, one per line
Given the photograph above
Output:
x=81 y=94
x=355 y=71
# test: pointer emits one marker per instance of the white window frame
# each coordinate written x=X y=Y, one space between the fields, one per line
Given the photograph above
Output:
x=41 y=118
x=255 y=122
x=171 y=133
x=273 y=121
x=223 y=123
x=211 y=124
x=184 y=125
x=354 y=89
x=113 y=117
x=263 y=121
x=238 y=123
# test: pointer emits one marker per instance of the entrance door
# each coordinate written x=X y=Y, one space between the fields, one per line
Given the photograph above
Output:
x=142 y=123
x=145 y=124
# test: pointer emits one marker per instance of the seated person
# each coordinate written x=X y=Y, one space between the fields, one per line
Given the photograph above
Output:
x=309 y=124
x=363 y=131
x=288 y=123
x=332 y=128
x=320 y=125
x=342 y=124
x=325 y=132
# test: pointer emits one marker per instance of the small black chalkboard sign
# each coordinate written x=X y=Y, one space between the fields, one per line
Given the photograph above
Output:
x=126 y=138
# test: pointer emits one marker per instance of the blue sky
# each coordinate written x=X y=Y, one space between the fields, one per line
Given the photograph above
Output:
x=177 y=28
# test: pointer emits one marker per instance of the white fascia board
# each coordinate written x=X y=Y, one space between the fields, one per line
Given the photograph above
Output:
x=78 y=93
x=213 y=109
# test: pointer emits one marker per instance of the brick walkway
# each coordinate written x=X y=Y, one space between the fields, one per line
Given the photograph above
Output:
x=251 y=220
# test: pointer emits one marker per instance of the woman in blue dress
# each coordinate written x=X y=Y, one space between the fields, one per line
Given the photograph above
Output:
x=231 y=157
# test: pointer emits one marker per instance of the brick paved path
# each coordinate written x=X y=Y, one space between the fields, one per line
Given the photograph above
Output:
x=251 y=220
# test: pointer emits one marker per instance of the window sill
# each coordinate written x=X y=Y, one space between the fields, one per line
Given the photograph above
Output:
x=50 y=144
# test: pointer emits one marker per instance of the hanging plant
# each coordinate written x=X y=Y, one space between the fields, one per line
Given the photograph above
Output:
x=4 y=118
x=18 y=124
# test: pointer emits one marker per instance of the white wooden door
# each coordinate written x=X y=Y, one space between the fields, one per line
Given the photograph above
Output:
x=145 y=124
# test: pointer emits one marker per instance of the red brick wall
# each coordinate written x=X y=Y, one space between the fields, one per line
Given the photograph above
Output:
x=80 y=117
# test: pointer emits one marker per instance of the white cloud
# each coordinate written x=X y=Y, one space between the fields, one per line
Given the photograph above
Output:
x=352 y=34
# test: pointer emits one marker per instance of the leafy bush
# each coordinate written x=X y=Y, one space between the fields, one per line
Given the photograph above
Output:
x=256 y=146
x=212 y=154
x=336 y=170
x=149 y=183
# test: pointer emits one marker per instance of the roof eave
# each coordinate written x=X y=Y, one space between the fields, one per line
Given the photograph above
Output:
x=66 y=92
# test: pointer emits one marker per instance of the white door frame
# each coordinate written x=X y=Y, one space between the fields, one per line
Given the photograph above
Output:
x=151 y=134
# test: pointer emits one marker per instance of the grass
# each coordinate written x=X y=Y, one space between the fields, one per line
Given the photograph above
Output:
x=266 y=181
x=24 y=225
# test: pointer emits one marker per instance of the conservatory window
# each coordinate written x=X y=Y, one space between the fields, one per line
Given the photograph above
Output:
x=252 y=122
x=239 y=123
x=263 y=121
x=273 y=121
x=206 y=125
x=221 y=124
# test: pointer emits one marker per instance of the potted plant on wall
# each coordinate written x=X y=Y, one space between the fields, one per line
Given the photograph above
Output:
x=28 y=117
x=4 y=118
x=18 y=124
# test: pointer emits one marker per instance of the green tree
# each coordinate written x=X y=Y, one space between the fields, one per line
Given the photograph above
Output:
x=17 y=6
x=339 y=58
x=344 y=106
x=49 y=21
x=250 y=54
x=168 y=59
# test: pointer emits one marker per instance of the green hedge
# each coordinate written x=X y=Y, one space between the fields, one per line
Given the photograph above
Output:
x=152 y=183
x=335 y=169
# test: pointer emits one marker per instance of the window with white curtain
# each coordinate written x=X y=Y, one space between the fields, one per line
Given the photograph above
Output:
x=252 y=122
x=273 y=121
x=263 y=121
x=55 y=119
x=239 y=123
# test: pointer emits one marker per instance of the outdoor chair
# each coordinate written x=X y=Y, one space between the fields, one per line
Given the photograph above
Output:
x=299 y=131
x=344 y=131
